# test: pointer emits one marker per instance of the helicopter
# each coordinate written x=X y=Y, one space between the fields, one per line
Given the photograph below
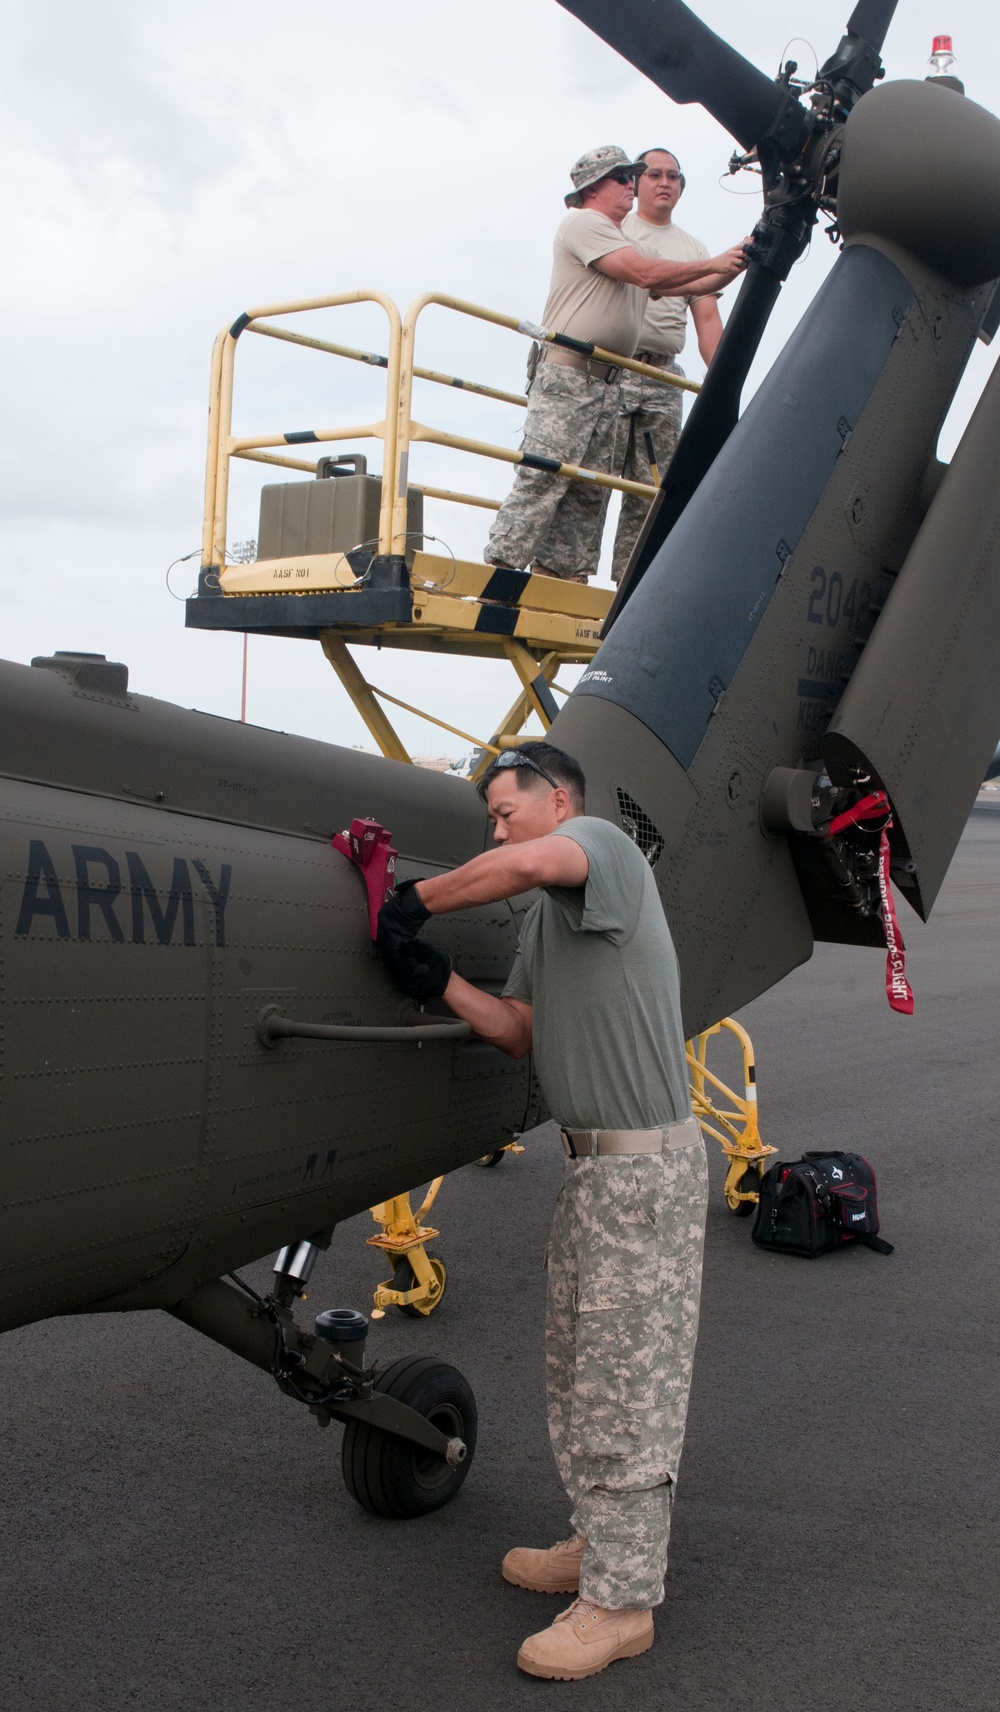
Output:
x=204 y=1060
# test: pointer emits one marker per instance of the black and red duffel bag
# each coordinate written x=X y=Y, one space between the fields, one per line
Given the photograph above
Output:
x=820 y=1202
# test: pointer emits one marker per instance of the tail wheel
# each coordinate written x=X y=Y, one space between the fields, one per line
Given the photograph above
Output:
x=403 y=1278
x=749 y=1180
x=489 y=1159
x=387 y=1475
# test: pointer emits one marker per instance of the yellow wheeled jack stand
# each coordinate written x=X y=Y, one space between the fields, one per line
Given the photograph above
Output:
x=716 y=1104
x=418 y=1279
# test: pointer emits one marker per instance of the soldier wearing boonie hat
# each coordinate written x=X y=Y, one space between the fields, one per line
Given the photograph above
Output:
x=595 y=165
x=598 y=295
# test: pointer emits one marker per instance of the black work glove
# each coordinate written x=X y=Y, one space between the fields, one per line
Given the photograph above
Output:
x=400 y=918
x=419 y=969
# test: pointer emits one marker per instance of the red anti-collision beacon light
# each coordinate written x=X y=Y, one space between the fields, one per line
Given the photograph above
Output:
x=942 y=56
x=366 y=843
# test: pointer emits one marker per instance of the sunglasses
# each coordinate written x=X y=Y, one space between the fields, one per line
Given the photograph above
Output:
x=514 y=758
x=623 y=177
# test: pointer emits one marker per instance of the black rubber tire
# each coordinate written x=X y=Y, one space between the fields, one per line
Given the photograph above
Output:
x=491 y=1159
x=387 y=1475
x=403 y=1279
x=749 y=1180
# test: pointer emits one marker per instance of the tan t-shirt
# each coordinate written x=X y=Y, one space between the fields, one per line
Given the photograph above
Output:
x=665 y=322
x=584 y=302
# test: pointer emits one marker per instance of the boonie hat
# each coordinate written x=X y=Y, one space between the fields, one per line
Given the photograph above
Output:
x=597 y=164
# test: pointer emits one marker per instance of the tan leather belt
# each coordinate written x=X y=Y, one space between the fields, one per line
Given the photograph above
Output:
x=576 y=360
x=655 y=361
x=585 y=1143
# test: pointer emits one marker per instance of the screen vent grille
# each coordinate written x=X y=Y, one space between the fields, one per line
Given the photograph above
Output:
x=636 y=822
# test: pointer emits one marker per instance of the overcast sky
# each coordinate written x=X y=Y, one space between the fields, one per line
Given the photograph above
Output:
x=167 y=168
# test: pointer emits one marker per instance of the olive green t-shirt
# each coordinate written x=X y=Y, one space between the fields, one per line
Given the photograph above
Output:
x=598 y=967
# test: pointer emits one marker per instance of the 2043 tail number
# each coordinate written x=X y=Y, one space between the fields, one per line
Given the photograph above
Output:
x=829 y=604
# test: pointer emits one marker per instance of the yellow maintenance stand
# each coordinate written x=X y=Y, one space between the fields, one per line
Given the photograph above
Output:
x=319 y=577
x=342 y=560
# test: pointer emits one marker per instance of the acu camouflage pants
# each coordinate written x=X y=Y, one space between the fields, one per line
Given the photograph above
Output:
x=545 y=519
x=645 y=404
x=624 y=1282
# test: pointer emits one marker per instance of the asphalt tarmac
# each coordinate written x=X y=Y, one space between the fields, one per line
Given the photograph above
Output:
x=177 y=1536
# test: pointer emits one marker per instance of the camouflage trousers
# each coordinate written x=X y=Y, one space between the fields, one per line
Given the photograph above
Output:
x=645 y=405
x=624 y=1282
x=545 y=519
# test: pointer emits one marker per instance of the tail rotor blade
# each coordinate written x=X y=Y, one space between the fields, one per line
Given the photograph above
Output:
x=684 y=58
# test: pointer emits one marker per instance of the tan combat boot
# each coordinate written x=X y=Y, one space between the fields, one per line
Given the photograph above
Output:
x=584 y=1640
x=554 y=1571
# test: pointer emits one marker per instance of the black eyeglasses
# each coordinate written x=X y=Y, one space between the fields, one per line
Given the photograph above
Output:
x=514 y=758
x=623 y=177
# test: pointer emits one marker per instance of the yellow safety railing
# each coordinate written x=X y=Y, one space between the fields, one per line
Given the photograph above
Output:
x=397 y=429
x=408 y=431
x=222 y=446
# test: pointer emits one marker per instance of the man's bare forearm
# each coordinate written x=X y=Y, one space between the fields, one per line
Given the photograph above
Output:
x=708 y=326
x=500 y=1021
x=665 y=278
x=505 y=872
x=710 y=283
x=487 y=878
x=685 y=276
x=649 y=272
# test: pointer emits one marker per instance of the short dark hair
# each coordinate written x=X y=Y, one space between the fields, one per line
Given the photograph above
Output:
x=563 y=768
x=657 y=149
